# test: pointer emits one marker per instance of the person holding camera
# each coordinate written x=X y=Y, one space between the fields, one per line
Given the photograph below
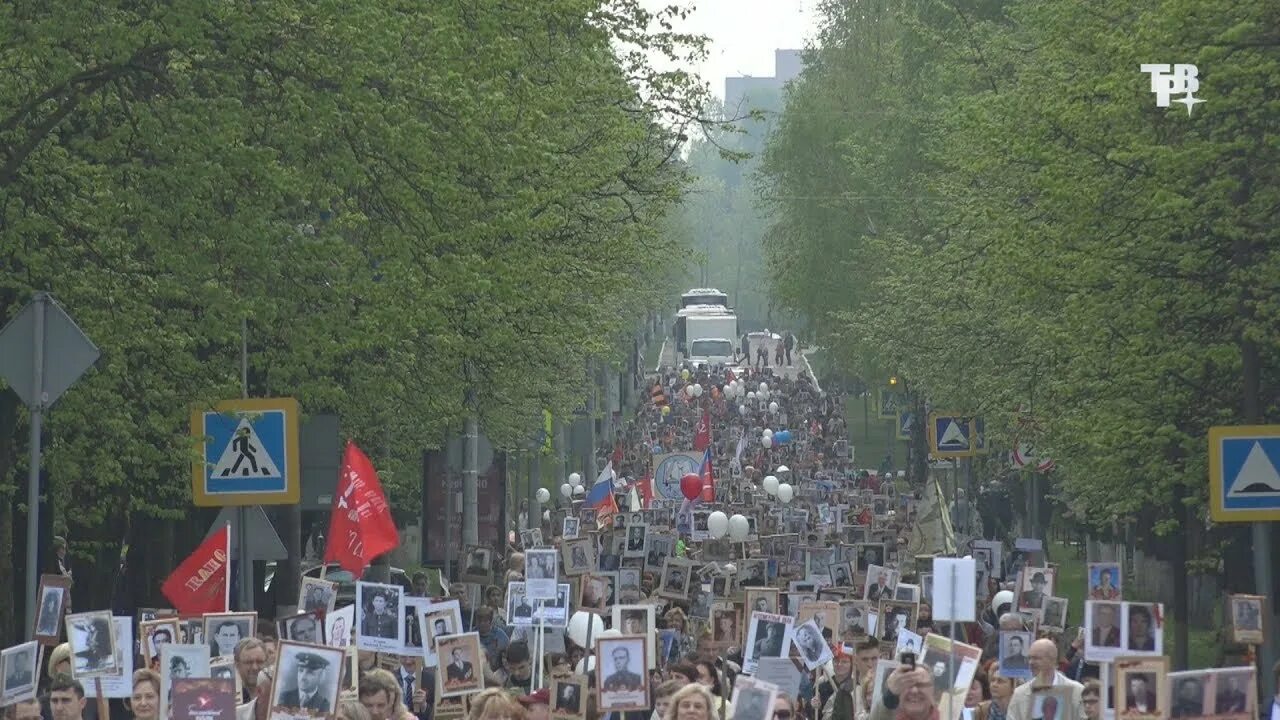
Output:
x=908 y=694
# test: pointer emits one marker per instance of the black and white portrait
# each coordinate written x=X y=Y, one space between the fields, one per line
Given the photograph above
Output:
x=178 y=661
x=636 y=540
x=439 y=619
x=768 y=635
x=752 y=701
x=638 y=620
x=869 y=554
x=339 y=626
x=52 y=598
x=303 y=627
x=414 y=636
x=753 y=572
x=1246 y=618
x=1055 y=613
x=566 y=697
x=813 y=648
x=570 y=528
x=93 y=644
x=317 y=595
x=621 y=674
x=156 y=634
x=306 y=680
x=18 y=667
x=379 y=617
x=519 y=607
x=224 y=631
x=553 y=613
x=540 y=573
x=675 y=579
x=629 y=585
x=459 y=660
x=579 y=556
x=478 y=563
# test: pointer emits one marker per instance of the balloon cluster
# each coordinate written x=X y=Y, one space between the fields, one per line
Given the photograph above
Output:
x=736 y=527
x=783 y=491
x=569 y=489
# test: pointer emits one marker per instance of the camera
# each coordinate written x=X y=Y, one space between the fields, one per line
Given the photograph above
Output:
x=907 y=659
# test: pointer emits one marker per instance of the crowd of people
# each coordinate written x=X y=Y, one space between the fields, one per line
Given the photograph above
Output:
x=808 y=603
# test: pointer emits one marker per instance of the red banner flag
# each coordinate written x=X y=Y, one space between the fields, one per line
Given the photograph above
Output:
x=361 y=527
x=702 y=440
x=202 y=583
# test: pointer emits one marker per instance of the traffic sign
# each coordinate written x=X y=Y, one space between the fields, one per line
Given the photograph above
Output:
x=889 y=403
x=249 y=453
x=262 y=542
x=905 y=420
x=1244 y=485
x=950 y=435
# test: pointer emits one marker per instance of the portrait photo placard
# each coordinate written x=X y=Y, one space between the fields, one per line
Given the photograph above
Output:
x=1247 y=625
x=566 y=698
x=119 y=685
x=317 y=595
x=179 y=661
x=379 y=617
x=340 y=625
x=93 y=645
x=1105 y=581
x=639 y=620
x=768 y=635
x=223 y=631
x=54 y=594
x=19 y=672
x=622 y=675
x=153 y=634
x=459 y=663
x=540 y=574
x=1142 y=687
x=814 y=650
x=753 y=699
x=306 y=682
x=579 y=556
x=675 y=579
x=305 y=627
x=1014 y=645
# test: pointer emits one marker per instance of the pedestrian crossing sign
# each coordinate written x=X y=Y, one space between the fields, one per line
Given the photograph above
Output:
x=1244 y=473
x=950 y=435
x=248 y=453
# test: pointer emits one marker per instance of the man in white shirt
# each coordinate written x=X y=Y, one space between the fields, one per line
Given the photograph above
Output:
x=1043 y=658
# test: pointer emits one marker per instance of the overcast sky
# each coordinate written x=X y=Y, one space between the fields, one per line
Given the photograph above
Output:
x=744 y=33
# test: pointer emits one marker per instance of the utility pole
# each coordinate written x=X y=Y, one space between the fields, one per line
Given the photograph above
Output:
x=589 y=453
x=245 y=573
x=470 y=461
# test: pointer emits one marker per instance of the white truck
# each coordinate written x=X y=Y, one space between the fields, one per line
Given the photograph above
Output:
x=711 y=339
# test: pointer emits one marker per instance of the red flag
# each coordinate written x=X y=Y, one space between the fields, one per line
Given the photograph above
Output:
x=202 y=583
x=361 y=527
x=644 y=487
x=702 y=440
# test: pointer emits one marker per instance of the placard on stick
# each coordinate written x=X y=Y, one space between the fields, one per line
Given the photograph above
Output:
x=960 y=574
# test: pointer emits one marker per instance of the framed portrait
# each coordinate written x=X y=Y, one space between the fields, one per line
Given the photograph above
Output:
x=225 y=669
x=629 y=585
x=881 y=582
x=479 y=564
x=762 y=599
x=1247 y=624
x=349 y=684
x=121 y=685
x=519 y=608
x=894 y=616
x=768 y=635
x=305 y=627
x=340 y=625
x=639 y=620
x=414 y=639
x=192 y=629
x=883 y=668
x=907 y=642
x=553 y=613
x=726 y=626
x=1142 y=687
x=224 y=631
x=1234 y=693
x=439 y=619
x=540 y=573
x=1054 y=614
x=597 y=592
x=1192 y=697
x=1034 y=585
x=841 y=574
x=566 y=698
x=753 y=572
x=700 y=520
x=53 y=598
x=824 y=613
x=19 y=672
x=154 y=634
x=1106 y=582
x=622 y=678
x=1142 y=628
x=1014 y=645
x=93 y=644
x=460 y=664
x=531 y=538
x=379 y=617
x=853 y=618
x=675 y=579
x=753 y=699
x=180 y=661
x=306 y=680
x=990 y=552
x=814 y=649
x=1052 y=703
x=578 y=556
x=637 y=533
x=317 y=595
x=569 y=528
x=906 y=592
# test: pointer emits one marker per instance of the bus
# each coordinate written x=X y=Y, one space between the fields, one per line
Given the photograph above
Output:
x=704 y=296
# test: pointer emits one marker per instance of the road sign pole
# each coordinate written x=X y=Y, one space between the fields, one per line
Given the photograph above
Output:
x=33 y=477
x=245 y=574
x=1262 y=586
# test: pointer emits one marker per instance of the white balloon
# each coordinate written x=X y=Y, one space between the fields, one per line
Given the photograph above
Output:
x=767 y=433
x=577 y=490
x=697 y=389
x=771 y=484
x=751 y=396
x=575 y=479
x=611 y=632
x=764 y=387
x=717 y=524
x=730 y=568
x=566 y=489
x=782 y=469
x=785 y=492
x=739 y=527
x=543 y=495
x=587 y=665
x=579 y=625
x=766 y=441
x=763 y=395
x=742 y=409
x=546 y=514
x=773 y=407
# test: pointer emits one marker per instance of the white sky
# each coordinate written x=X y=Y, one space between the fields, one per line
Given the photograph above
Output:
x=744 y=33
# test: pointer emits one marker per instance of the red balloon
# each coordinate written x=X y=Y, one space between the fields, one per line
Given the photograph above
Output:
x=691 y=486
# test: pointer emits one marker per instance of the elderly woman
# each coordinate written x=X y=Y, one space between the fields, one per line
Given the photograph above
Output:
x=691 y=702
x=144 y=703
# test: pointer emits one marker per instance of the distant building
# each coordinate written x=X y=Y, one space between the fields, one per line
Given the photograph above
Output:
x=741 y=94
